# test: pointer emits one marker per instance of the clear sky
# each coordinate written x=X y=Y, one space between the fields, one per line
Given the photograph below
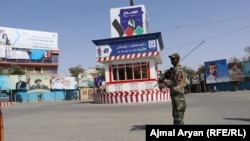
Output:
x=224 y=25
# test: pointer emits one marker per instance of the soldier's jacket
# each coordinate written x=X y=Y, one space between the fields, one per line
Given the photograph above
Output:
x=175 y=79
x=179 y=79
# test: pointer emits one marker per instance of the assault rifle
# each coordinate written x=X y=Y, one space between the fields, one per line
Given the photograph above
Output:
x=168 y=74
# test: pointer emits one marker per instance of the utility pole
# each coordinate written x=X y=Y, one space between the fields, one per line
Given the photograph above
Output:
x=131 y=3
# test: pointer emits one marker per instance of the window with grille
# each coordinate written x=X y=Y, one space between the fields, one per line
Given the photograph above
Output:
x=130 y=71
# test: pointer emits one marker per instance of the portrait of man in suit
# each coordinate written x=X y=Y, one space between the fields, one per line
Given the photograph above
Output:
x=20 y=84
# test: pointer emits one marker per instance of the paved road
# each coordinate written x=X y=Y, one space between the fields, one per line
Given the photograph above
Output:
x=85 y=121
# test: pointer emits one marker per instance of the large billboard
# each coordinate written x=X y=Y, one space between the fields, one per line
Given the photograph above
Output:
x=38 y=83
x=85 y=80
x=216 y=71
x=128 y=21
x=235 y=72
x=27 y=44
x=63 y=83
x=12 y=82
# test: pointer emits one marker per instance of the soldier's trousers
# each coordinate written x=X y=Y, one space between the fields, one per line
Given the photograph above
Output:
x=178 y=107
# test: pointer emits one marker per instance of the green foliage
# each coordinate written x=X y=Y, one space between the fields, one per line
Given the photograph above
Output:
x=201 y=69
x=15 y=70
x=233 y=60
x=102 y=72
x=75 y=71
x=188 y=70
x=1 y=70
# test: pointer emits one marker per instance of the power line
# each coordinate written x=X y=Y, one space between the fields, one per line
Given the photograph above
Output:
x=206 y=23
x=227 y=33
x=192 y=50
x=215 y=36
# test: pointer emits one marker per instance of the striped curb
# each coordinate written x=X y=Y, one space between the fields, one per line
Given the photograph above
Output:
x=5 y=104
x=135 y=96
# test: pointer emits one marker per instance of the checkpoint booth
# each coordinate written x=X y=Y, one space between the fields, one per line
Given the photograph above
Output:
x=130 y=58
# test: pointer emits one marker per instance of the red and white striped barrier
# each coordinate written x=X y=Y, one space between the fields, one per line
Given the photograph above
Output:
x=5 y=104
x=136 y=96
x=128 y=56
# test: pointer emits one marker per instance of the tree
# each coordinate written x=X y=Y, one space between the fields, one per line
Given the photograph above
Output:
x=188 y=70
x=201 y=69
x=247 y=56
x=247 y=49
x=190 y=73
x=1 y=70
x=234 y=60
x=75 y=71
x=15 y=70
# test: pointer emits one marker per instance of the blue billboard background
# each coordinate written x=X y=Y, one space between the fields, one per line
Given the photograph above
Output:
x=7 y=82
x=222 y=71
x=99 y=81
x=37 y=54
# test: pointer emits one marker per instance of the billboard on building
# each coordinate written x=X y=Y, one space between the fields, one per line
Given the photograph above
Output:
x=63 y=83
x=85 y=80
x=27 y=44
x=246 y=68
x=128 y=21
x=216 y=71
x=235 y=71
x=13 y=82
x=38 y=83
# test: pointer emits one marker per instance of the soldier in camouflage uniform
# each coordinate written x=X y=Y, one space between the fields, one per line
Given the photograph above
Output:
x=175 y=80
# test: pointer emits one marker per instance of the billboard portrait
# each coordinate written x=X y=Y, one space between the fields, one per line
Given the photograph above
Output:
x=63 y=83
x=5 y=43
x=85 y=80
x=38 y=83
x=20 y=83
x=235 y=72
x=216 y=71
x=246 y=68
x=26 y=44
x=40 y=54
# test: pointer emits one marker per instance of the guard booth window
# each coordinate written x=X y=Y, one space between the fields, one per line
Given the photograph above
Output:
x=130 y=71
x=121 y=72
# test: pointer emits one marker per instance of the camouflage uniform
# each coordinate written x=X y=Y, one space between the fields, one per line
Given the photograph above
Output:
x=175 y=80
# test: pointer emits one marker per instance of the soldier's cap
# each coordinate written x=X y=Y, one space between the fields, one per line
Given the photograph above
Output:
x=174 y=55
x=38 y=80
